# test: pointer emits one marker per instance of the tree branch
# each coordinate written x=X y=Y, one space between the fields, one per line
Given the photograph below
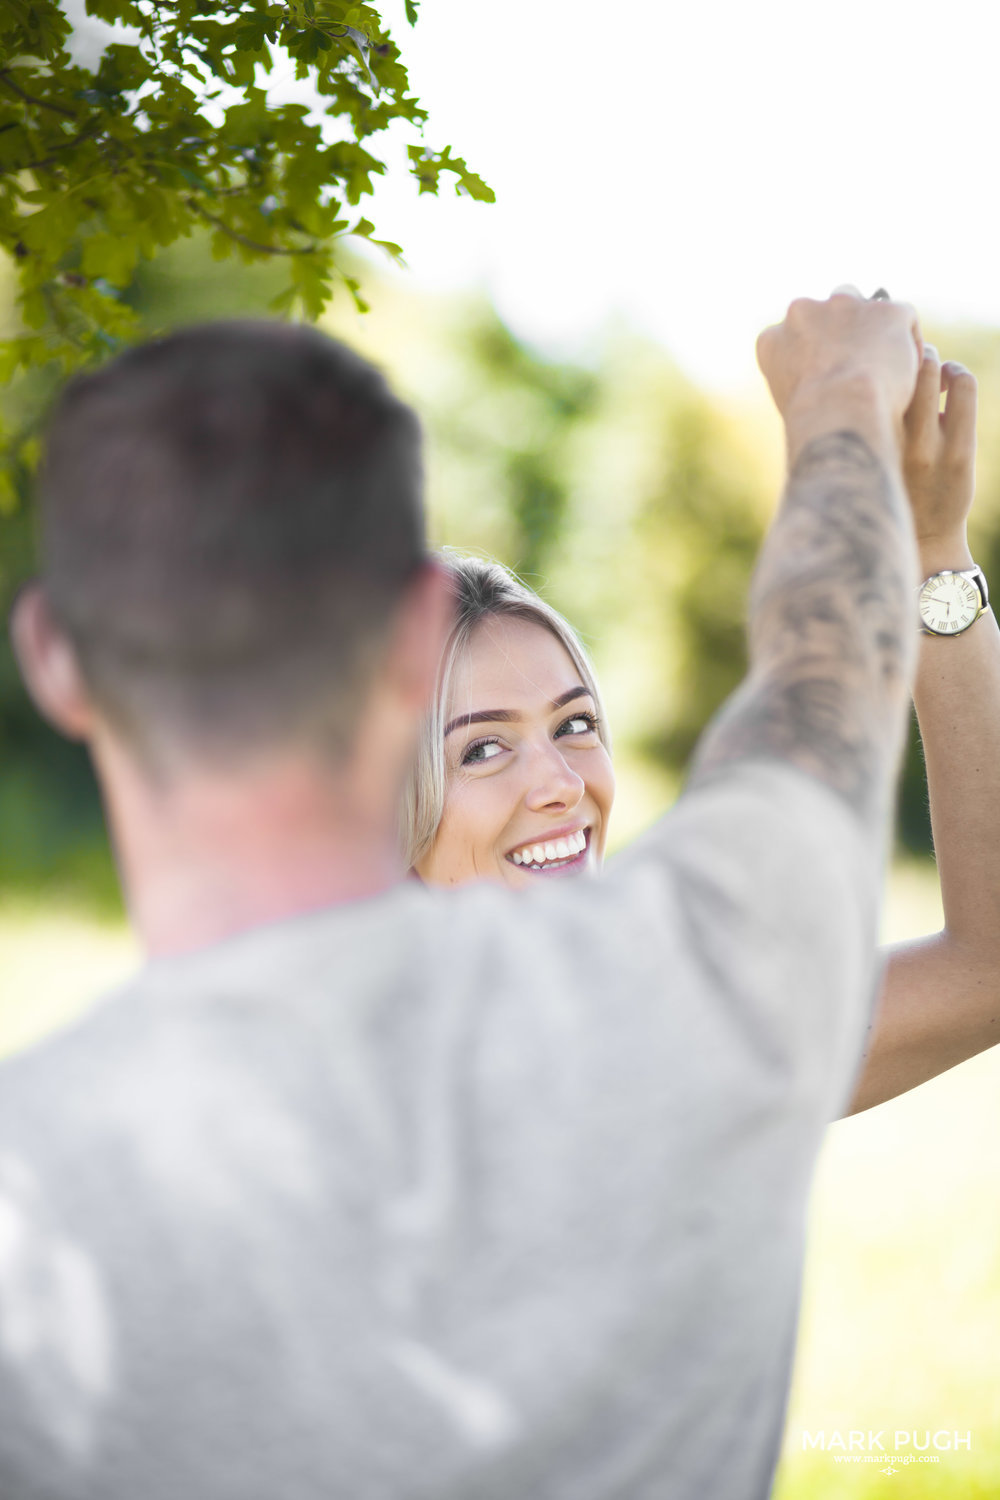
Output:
x=243 y=239
x=16 y=88
x=47 y=161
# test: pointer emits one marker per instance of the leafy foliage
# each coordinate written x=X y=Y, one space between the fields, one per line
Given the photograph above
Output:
x=699 y=533
x=511 y=423
x=173 y=131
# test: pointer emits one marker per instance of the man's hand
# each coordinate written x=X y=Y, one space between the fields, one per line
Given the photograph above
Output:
x=939 y=457
x=846 y=361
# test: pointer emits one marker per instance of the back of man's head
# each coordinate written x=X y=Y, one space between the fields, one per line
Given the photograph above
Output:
x=229 y=517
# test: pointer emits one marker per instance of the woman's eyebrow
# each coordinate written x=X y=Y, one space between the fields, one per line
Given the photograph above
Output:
x=507 y=715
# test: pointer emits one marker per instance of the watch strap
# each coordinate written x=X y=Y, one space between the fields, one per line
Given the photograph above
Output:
x=979 y=579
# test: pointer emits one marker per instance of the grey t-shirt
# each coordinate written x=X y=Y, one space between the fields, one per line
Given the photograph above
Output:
x=445 y=1196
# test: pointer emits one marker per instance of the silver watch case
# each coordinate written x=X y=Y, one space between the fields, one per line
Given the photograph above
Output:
x=976 y=577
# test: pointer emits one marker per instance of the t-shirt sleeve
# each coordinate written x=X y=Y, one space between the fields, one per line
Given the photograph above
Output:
x=749 y=914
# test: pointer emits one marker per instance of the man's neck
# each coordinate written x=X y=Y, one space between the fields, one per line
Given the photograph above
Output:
x=213 y=856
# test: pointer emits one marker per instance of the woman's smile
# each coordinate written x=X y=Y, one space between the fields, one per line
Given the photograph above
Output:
x=559 y=851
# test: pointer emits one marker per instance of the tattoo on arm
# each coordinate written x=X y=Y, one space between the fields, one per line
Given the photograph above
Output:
x=832 y=643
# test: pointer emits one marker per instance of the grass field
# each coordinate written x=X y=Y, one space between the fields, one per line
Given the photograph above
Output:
x=900 y=1326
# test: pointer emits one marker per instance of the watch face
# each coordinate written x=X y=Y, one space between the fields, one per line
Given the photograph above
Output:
x=949 y=603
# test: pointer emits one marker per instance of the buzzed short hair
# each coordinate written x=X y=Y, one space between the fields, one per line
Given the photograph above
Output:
x=229 y=516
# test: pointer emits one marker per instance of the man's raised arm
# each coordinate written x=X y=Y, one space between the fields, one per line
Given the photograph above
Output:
x=831 y=631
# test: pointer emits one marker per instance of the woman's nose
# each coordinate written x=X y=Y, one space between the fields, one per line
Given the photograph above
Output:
x=553 y=781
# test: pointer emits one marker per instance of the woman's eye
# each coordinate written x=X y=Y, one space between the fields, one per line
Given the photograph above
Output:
x=579 y=724
x=481 y=751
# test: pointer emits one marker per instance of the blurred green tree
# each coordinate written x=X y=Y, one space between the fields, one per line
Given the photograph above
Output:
x=174 y=130
x=698 y=534
x=513 y=415
x=52 y=833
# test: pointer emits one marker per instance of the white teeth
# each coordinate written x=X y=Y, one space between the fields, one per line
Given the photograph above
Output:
x=540 y=854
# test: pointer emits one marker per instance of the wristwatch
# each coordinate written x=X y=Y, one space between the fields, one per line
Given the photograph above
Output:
x=950 y=602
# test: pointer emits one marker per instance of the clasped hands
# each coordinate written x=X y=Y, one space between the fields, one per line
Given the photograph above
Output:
x=863 y=364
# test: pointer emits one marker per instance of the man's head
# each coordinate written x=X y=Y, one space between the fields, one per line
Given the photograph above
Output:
x=231 y=521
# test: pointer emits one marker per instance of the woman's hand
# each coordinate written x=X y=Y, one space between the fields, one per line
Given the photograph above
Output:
x=939 y=454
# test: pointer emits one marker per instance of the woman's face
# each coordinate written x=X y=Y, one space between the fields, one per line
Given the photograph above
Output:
x=529 y=784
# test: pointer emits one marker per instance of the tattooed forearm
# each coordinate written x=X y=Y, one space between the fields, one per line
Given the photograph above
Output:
x=832 y=642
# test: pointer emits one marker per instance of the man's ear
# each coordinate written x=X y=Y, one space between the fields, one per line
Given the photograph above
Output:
x=48 y=664
x=423 y=623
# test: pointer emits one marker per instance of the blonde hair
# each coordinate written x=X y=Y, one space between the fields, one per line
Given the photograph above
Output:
x=483 y=590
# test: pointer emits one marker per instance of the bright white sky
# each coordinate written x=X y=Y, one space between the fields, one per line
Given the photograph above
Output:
x=693 y=166
x=696 y=165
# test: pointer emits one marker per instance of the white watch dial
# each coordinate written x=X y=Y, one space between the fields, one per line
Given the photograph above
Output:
x=949 y=603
